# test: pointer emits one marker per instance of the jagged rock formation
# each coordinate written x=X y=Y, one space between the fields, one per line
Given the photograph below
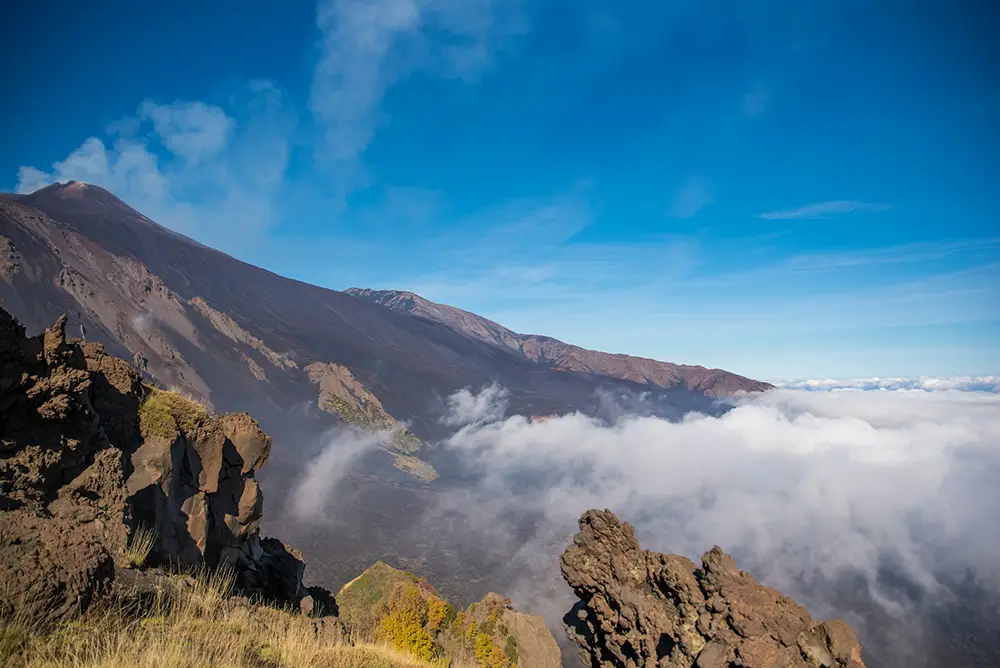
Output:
x=88 y=454
x=62 y=470
x=641 y=608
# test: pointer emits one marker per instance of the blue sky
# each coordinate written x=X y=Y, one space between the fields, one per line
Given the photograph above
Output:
x=786 y=190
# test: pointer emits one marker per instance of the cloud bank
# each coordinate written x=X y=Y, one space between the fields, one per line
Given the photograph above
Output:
x=867 y=506
x=925 y=384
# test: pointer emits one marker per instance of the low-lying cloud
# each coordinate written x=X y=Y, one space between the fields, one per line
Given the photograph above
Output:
x=864 y=505
x=925 y=384
x=310 y=500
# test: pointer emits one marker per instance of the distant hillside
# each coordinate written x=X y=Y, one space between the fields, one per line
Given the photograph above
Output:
x=555 y=354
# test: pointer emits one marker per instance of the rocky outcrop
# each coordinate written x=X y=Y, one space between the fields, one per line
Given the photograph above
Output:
x=65 y=514
x=343 y=395
x=10 y=259
x=193 y=477
x=88 y=455
x=641 y=608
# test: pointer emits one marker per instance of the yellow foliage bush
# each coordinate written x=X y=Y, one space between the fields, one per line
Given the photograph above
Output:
x=438 y=612
x=488 y=655
x=404 y=633
x=409 y=619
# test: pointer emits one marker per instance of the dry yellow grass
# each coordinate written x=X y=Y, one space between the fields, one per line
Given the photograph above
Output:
x=140 y=544
x=200 y=628
x=167 y=413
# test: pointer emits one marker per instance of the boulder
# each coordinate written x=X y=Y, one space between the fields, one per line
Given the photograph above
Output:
x=641 y=608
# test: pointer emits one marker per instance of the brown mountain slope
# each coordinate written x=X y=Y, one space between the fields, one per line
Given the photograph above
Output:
x=237 y=336
x=555 y=354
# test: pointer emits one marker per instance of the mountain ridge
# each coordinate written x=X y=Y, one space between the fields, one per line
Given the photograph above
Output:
x=564 y=356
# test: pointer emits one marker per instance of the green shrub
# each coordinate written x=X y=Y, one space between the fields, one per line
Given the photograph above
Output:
x=510 y=649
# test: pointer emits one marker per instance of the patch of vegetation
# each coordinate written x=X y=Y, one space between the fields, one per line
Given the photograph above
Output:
x=488 y=655
x=363 y=414
x=483 y=634
x=403 y=623
x=199 y=627
x=510 y=649
x=404 y=441
x=13 y=638
x=361 y=600
x=140 y=544
x=439 y=613
x=168 y=414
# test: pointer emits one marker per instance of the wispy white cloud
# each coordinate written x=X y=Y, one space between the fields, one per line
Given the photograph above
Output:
x=367 y=46
x=320 y=478
x=915 y=252
x=467 y=407
x=755 y=102
x=823 y=210
x=693 y=196
x=190 y=130
x=213 y=174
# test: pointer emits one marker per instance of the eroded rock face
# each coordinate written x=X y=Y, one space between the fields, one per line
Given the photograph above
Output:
x=88 y=454
x=641 y=608
x=193 y=478
x=65 y=516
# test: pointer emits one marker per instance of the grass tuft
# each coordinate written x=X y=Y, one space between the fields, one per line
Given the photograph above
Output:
x=166 y=413
x=139 y=547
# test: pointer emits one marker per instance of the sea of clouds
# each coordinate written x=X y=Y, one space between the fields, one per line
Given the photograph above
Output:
x=926 y=384
x=878 y=507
